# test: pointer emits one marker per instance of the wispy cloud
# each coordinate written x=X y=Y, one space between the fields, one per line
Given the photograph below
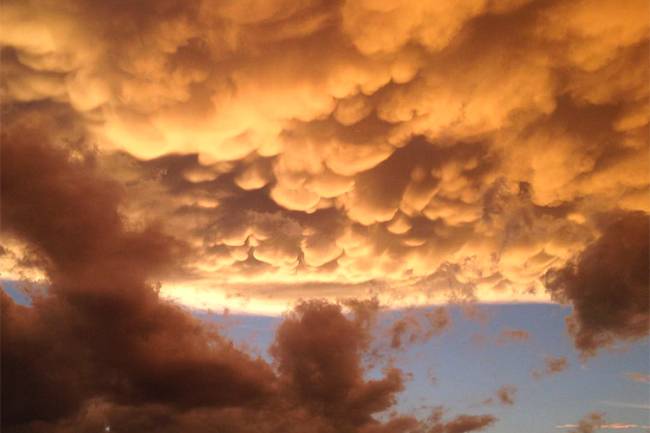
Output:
x=612 y=426
x=645 y=406
x=635 y=376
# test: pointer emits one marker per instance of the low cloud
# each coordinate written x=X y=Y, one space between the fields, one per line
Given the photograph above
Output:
x=607 y=285
x=100 y=349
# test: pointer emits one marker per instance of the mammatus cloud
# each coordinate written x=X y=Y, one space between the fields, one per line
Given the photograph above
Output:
x=101 y=348
x=256 y=153
x=336 y=149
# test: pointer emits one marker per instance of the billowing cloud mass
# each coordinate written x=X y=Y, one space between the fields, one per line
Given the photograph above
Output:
x=613 y=271
x=413 y=152
x=101 y=349
x=260 y=155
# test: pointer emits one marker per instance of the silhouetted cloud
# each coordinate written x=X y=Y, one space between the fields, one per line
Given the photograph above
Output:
x=101 y=348
x=608 y=284
x=257 y=155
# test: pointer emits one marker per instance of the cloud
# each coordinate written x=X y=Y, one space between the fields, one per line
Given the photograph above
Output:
x=588 y=424
x=100 y=348
x=612 y=426
x=513 y=336
x=504 y=396
x=389 y=149
x=638 y=377
x=607 y=285
x=101 y=328
x=460 y=424
x=626 y=404
x=418 y=327
x=320 y=366
x=253 y=154
x=552 y=366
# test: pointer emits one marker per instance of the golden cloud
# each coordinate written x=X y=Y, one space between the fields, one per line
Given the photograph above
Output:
x=341 y=149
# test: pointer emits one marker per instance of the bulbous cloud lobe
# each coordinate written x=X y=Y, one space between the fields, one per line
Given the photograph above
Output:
x=417 y=152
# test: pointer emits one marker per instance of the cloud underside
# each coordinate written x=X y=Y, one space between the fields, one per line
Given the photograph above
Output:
x=250 y=154
x=101 y=349
x=333 y=149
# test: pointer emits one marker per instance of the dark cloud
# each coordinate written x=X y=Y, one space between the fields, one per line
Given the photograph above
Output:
x=318 y=353
x=100 y=347
x=607 y=284
x=101 y=329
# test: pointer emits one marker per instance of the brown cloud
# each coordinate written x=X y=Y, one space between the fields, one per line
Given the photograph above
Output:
x=504 y=396
x=101 y=328
x=552 y=366
x=460 y=424
x=608 y=284
x=418 y=327
x=589 y=423
x=320 y=366
x=100 y=348
x=306 y=150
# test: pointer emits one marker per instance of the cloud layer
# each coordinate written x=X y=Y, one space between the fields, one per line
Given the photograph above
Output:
x=101 y=349
x=258 y=154
x=351 y=145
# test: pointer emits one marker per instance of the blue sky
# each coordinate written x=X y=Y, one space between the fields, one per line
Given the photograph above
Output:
x=249 y=155
x=465 y=365
x=467 y=371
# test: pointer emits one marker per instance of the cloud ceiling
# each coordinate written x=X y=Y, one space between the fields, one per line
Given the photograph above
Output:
x=252 y=153
x=334 y=149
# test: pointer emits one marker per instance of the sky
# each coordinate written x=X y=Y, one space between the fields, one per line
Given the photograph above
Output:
x=368 y=216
